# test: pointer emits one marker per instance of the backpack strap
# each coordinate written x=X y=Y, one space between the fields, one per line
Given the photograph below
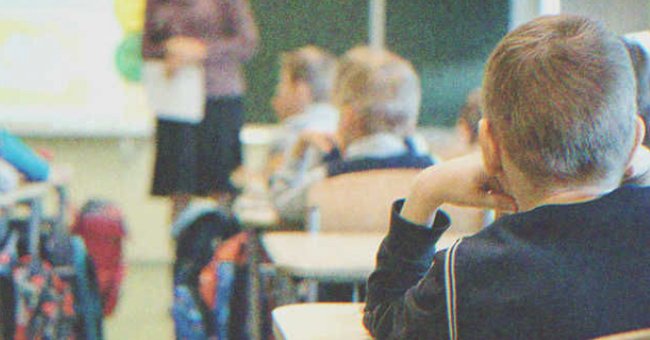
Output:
x=450 y=289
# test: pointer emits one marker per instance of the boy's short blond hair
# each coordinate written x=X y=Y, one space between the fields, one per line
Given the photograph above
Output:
x=314 y=66
x=380 y=85
x=559 y=94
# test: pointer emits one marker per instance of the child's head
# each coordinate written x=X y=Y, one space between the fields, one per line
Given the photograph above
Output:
x=559 y=103
x=469 y=117
x=376 y=91
x=306 y=77
x=641 y=64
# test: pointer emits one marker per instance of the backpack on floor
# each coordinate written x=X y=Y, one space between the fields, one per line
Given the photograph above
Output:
x=224 y=288
x=198 y=231
x=44 y=302
x=101 y=225
x=69 y=257
x=8 y=259
x=187 y=315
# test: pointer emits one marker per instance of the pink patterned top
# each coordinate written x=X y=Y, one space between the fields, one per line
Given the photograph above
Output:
x=226 y=26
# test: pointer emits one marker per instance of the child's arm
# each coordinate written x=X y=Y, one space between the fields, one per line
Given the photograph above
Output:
x=461 y=181
x=406 y=294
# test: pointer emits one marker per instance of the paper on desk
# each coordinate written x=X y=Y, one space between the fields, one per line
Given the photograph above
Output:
x=180 y=97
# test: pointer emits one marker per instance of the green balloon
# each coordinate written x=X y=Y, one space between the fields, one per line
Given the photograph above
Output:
x=128 y=57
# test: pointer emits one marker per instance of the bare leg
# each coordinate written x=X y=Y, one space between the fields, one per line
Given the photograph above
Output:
x=179 y=203
x=223 y=198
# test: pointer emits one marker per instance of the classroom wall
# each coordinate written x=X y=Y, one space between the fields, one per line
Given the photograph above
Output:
x=118 y=170
x=621 y=16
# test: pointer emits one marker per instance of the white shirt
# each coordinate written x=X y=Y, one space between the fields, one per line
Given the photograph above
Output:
x=319 y=117
x=289 y=189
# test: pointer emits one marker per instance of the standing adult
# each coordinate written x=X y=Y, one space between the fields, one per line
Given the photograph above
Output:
x=198 y=158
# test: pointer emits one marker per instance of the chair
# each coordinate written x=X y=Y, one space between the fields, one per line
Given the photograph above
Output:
x=361 y=202
x=639 y=334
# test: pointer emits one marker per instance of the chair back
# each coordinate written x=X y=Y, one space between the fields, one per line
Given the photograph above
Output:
x=362 y=201
x=359 y=201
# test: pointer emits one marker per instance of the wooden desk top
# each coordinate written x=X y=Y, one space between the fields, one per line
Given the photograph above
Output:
x=312 y=321
x=329 y=257
x=256 y=212
x=325 y=257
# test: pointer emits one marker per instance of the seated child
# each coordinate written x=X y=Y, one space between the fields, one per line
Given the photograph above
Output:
x=469 y=219
x=302 y=100
x=559 y=130
x=468 y=119
x=378 y=97
x=641 y=63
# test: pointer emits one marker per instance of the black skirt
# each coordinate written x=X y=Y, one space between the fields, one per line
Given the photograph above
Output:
x=176 y=155
x=219 y=148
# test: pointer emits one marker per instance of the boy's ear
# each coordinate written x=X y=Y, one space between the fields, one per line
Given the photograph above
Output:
x=304 y=92
x=640 y=130
x=490 y=148
x=634 y=160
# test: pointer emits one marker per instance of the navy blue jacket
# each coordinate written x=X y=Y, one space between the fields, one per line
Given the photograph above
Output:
x=556 y=272
x=336 y=165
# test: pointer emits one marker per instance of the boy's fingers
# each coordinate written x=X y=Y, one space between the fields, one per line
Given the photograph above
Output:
x=499 y=201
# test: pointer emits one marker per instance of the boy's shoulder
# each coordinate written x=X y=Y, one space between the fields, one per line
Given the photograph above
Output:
x=533 y=237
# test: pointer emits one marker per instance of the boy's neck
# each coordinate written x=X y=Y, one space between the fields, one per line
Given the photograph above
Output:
x=529 y=196
x=575 y=195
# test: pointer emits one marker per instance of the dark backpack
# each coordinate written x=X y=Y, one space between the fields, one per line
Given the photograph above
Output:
x=101 y=225
x=198 y=231
x=44 y=302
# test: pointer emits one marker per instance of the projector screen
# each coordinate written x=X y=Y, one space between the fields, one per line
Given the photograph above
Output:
x=60 y=70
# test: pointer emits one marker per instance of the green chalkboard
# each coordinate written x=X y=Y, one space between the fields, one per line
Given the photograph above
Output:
x=335 y=25
x=448 y=42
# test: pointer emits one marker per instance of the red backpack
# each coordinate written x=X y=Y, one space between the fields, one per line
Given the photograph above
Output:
x=102 y=227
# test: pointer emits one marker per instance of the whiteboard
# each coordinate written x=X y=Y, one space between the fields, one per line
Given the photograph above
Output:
x=58 y=75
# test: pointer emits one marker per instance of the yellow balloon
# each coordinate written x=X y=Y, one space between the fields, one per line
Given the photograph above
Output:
x=130 y=14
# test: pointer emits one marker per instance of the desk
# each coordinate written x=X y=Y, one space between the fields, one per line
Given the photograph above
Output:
x=255 y=212
x=311 y=321
x=330 y=257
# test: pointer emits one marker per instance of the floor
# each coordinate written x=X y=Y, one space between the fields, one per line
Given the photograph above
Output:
x=143 y=309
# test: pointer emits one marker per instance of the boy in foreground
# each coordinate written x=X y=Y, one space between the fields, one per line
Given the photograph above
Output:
x=559 y=134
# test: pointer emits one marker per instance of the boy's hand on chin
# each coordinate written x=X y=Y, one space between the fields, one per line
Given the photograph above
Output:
x=461 y=181
x=323 y=142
